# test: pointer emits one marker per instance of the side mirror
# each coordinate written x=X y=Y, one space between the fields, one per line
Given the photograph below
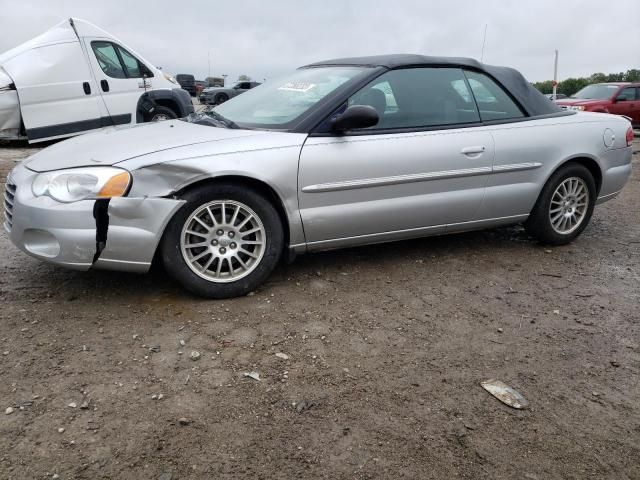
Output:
x=620 y=98
x=355 y=117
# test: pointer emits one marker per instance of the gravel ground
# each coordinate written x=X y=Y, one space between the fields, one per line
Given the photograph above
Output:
x=385 y=349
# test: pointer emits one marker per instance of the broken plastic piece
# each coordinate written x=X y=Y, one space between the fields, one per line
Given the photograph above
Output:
x=505 y=394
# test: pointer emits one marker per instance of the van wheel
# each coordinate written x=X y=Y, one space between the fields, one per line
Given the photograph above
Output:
x=224 y=241
x=564 y=207
x=162 y=113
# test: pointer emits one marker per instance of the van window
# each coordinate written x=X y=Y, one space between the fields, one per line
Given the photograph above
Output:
x=116 y=62
x=131 y=64
x=108 y=59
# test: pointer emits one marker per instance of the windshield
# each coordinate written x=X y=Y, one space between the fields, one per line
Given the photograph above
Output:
x=280 y=102
x=596 y=92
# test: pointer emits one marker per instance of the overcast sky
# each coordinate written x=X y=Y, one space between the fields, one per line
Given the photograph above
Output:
x=266 y=38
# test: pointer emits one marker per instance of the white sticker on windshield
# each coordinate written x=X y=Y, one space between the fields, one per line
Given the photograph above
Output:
x=297 y=86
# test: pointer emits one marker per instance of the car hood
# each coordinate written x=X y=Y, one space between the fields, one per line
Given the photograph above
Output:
x=118 y=144
x=579 y=101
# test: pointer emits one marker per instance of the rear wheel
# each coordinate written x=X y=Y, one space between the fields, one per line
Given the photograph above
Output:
x=224 y=242
x=564 y=207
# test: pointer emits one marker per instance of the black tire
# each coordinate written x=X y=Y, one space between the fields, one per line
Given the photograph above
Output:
x=221 y=98
x=539 y=223
x=161 y=113
x=176 y=265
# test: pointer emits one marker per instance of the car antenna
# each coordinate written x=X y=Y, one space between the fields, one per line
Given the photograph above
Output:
x=484 y=40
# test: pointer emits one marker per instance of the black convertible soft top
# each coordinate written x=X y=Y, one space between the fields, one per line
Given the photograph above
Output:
x=529 y=98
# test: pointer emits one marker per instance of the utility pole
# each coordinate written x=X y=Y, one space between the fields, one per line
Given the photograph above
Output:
x=209 y=61
x=555 y=77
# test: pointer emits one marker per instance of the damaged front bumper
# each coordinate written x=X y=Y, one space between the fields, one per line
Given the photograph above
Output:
x=117 y=234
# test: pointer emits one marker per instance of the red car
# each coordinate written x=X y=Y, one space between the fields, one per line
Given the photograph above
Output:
x=616 y=98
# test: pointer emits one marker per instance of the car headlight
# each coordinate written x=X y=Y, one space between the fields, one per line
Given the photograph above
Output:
x=577 y=107
x=170 y=78
x=82 y=184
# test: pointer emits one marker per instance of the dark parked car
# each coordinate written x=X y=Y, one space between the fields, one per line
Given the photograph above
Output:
x=218 y=95
x=187 y=82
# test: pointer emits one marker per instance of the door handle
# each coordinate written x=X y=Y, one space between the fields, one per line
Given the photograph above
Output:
x=87 y=88
x=105 y=85
x=473 y=151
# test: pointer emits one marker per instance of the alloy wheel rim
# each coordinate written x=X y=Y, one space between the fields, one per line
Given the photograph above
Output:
x=160 y=117
x=223 y=241
x=569 y=205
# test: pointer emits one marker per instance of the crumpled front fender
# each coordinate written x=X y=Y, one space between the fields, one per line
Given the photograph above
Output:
x=135 y=228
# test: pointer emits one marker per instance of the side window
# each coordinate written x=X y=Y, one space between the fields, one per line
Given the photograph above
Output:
x=131 y=64
x=419 y=97
x=108 y=59
x=628 y=93
x=493 y=102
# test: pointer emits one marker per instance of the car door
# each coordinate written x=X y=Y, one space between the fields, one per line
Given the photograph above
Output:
x=625 y=102
x=121 y=76
x=520 y=150
x=424 y=165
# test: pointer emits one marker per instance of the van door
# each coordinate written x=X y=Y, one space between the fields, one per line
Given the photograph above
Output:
x=121 y=78
x=58 y=95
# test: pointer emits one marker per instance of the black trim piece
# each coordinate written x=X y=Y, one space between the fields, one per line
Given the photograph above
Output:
x=101 y=215
x=357 y=133
x=502 y=121
x=75 y=127
x=391 y=131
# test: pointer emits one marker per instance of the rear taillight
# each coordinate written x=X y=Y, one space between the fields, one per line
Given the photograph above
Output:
x=629 y=137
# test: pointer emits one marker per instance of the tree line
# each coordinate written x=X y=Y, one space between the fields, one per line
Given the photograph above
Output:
x=572 y=85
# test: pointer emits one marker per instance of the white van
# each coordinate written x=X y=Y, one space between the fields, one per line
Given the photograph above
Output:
x=76 y=78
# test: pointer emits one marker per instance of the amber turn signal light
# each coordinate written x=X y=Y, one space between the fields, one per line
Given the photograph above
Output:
x=116 y=186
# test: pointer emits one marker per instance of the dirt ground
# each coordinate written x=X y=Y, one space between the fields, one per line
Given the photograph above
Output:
x=386 y=345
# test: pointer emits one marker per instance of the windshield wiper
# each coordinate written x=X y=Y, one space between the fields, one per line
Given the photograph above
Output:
x=224 y=120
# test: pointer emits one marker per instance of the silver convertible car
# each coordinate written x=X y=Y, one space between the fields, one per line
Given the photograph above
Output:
x=339 y=153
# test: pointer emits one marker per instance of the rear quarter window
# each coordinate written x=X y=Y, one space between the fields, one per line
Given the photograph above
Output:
x=493 y=102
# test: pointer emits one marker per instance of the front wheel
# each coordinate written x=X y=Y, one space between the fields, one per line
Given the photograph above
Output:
x=564 y=207
x=224 y=242
x=162 y=113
